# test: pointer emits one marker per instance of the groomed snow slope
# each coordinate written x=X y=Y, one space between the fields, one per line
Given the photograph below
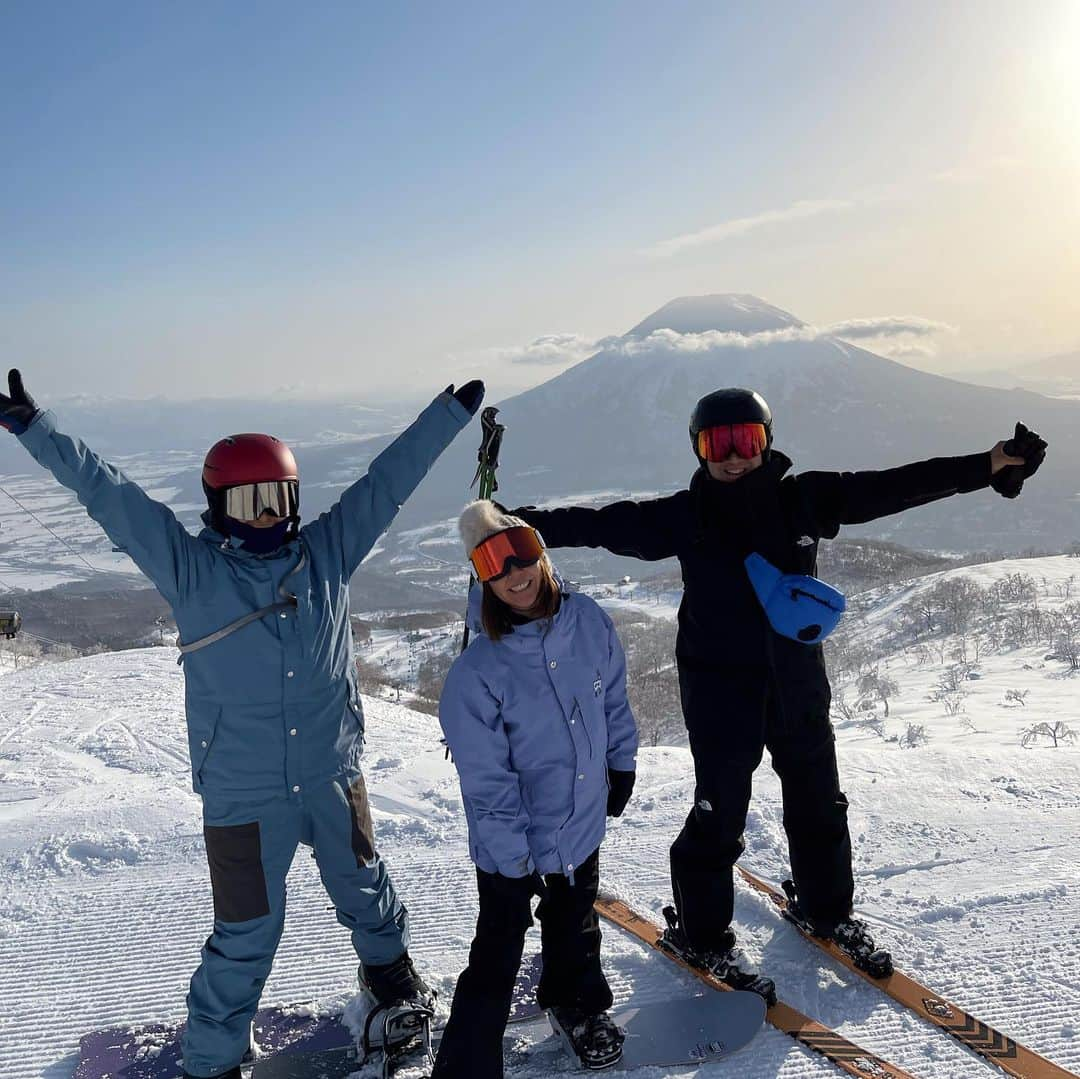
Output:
x=966 y=865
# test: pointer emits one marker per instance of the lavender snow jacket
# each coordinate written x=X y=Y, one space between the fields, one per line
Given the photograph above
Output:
x=534 y=720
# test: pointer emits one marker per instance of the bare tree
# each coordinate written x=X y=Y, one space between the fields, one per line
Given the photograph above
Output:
x=957 y=599
x=840 y=703
x=874 y=723
x=950 y=690
x=914 y=736
x=877 y=686
x=1065 y=635
x=432 y=674
x=1016 y=696
x=1057 y=733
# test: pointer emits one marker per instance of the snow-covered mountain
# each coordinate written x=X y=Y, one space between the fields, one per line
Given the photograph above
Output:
x=965 y=859
x=617 y=422
x=613 y=424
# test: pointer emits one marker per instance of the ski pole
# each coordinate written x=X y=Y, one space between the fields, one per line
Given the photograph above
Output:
x=487 y=458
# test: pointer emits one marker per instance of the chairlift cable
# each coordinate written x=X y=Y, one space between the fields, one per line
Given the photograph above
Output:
x=59 y=539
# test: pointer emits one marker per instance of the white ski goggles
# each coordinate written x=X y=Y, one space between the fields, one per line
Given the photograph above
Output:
x=249 y=501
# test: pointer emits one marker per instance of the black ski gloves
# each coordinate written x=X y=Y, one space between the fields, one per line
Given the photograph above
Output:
x=519 y=889
x=469 y=396
x=621 y=786
x=1009 y=481
x=17 y=408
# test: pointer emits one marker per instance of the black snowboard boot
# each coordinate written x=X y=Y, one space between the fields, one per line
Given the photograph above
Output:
x=402 y=1005
x=849 y=934
x=724 y=962
x=594 y=1039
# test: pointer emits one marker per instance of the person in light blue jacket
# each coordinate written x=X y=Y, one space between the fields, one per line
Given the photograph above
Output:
x=275 y=725
x=544 y=742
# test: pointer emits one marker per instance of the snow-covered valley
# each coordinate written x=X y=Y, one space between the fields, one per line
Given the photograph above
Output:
x=965 y=857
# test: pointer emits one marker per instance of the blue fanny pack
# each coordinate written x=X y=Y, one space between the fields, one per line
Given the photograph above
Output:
x=797 y=605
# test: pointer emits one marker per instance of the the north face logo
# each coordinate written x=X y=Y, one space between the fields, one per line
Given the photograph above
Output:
x=597 y=687
x=805 y=541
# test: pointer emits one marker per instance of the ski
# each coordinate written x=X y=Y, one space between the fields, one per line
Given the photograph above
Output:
x=981 y=1038
x=846 y=1055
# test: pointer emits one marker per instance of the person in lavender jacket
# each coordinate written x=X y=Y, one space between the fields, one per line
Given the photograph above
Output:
x=536 y=717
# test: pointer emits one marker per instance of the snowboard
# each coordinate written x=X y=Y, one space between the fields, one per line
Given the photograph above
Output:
x=152 y=1051
x=672 y=1033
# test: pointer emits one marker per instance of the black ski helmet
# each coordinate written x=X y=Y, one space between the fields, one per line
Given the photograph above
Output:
x=730 y=405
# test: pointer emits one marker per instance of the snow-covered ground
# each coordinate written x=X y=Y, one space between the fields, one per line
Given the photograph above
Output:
x=966 y=860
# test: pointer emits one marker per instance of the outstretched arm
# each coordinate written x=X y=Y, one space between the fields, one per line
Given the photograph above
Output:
x=146 y=530
x=649 y=530
x=470 y=719
x=367 y=508
x=840 y=498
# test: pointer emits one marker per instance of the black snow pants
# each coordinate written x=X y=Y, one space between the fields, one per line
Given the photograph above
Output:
x=472 y=1043
x=732 y=716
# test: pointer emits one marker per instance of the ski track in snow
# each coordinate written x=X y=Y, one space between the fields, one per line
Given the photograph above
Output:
x=965 y=858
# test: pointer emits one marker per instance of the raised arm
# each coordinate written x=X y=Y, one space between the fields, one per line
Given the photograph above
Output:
x=471 y=721
x=146 y=530
x=841 y=498
x=649 y=530
x=367 y=508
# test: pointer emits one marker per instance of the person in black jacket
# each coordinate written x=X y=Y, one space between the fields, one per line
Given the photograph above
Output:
x=745 y=687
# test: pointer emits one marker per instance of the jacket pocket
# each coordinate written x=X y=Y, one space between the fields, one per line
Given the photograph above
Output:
x=579 y=716
x=201 y=734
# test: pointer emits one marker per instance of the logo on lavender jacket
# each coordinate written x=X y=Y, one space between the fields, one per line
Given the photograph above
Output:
x=597 y=687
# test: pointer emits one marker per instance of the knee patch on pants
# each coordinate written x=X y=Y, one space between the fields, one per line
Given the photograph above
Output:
x=363 y=831
x=236 y=872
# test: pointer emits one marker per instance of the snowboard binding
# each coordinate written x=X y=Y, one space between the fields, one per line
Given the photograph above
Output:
x=722 y=964
x=593 y=1040
x=850 y=935
x=395 y=1030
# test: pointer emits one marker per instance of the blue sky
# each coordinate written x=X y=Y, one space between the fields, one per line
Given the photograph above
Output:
x=226 y=198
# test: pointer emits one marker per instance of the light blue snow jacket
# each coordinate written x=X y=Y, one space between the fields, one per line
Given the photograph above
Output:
x=533 y=721
x=273 y=707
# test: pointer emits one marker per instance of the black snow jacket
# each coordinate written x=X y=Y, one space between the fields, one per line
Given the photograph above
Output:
x=712 y=526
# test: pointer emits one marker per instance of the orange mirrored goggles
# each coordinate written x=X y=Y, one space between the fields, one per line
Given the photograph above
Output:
x=517 y=546
x=746 y=439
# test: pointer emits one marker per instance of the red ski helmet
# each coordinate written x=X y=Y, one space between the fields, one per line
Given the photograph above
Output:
x=249 y=458
x=243 y=459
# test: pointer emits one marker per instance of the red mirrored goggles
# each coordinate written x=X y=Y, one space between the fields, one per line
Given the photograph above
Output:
x=248 y=501
x=746 y=439
x=517 y=546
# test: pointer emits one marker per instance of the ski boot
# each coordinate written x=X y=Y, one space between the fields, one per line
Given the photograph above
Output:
x=849 y=934
x=594 y=1039
x=722 y=963
x=402 y=1007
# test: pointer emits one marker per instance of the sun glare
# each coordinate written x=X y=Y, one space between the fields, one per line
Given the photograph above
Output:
x=1057 y=74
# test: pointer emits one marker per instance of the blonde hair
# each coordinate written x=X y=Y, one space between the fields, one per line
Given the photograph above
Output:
x=498 y=616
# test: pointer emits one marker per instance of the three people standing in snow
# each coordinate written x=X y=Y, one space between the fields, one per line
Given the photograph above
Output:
x=536 y=717
x=534 y=710
x=275 y=724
